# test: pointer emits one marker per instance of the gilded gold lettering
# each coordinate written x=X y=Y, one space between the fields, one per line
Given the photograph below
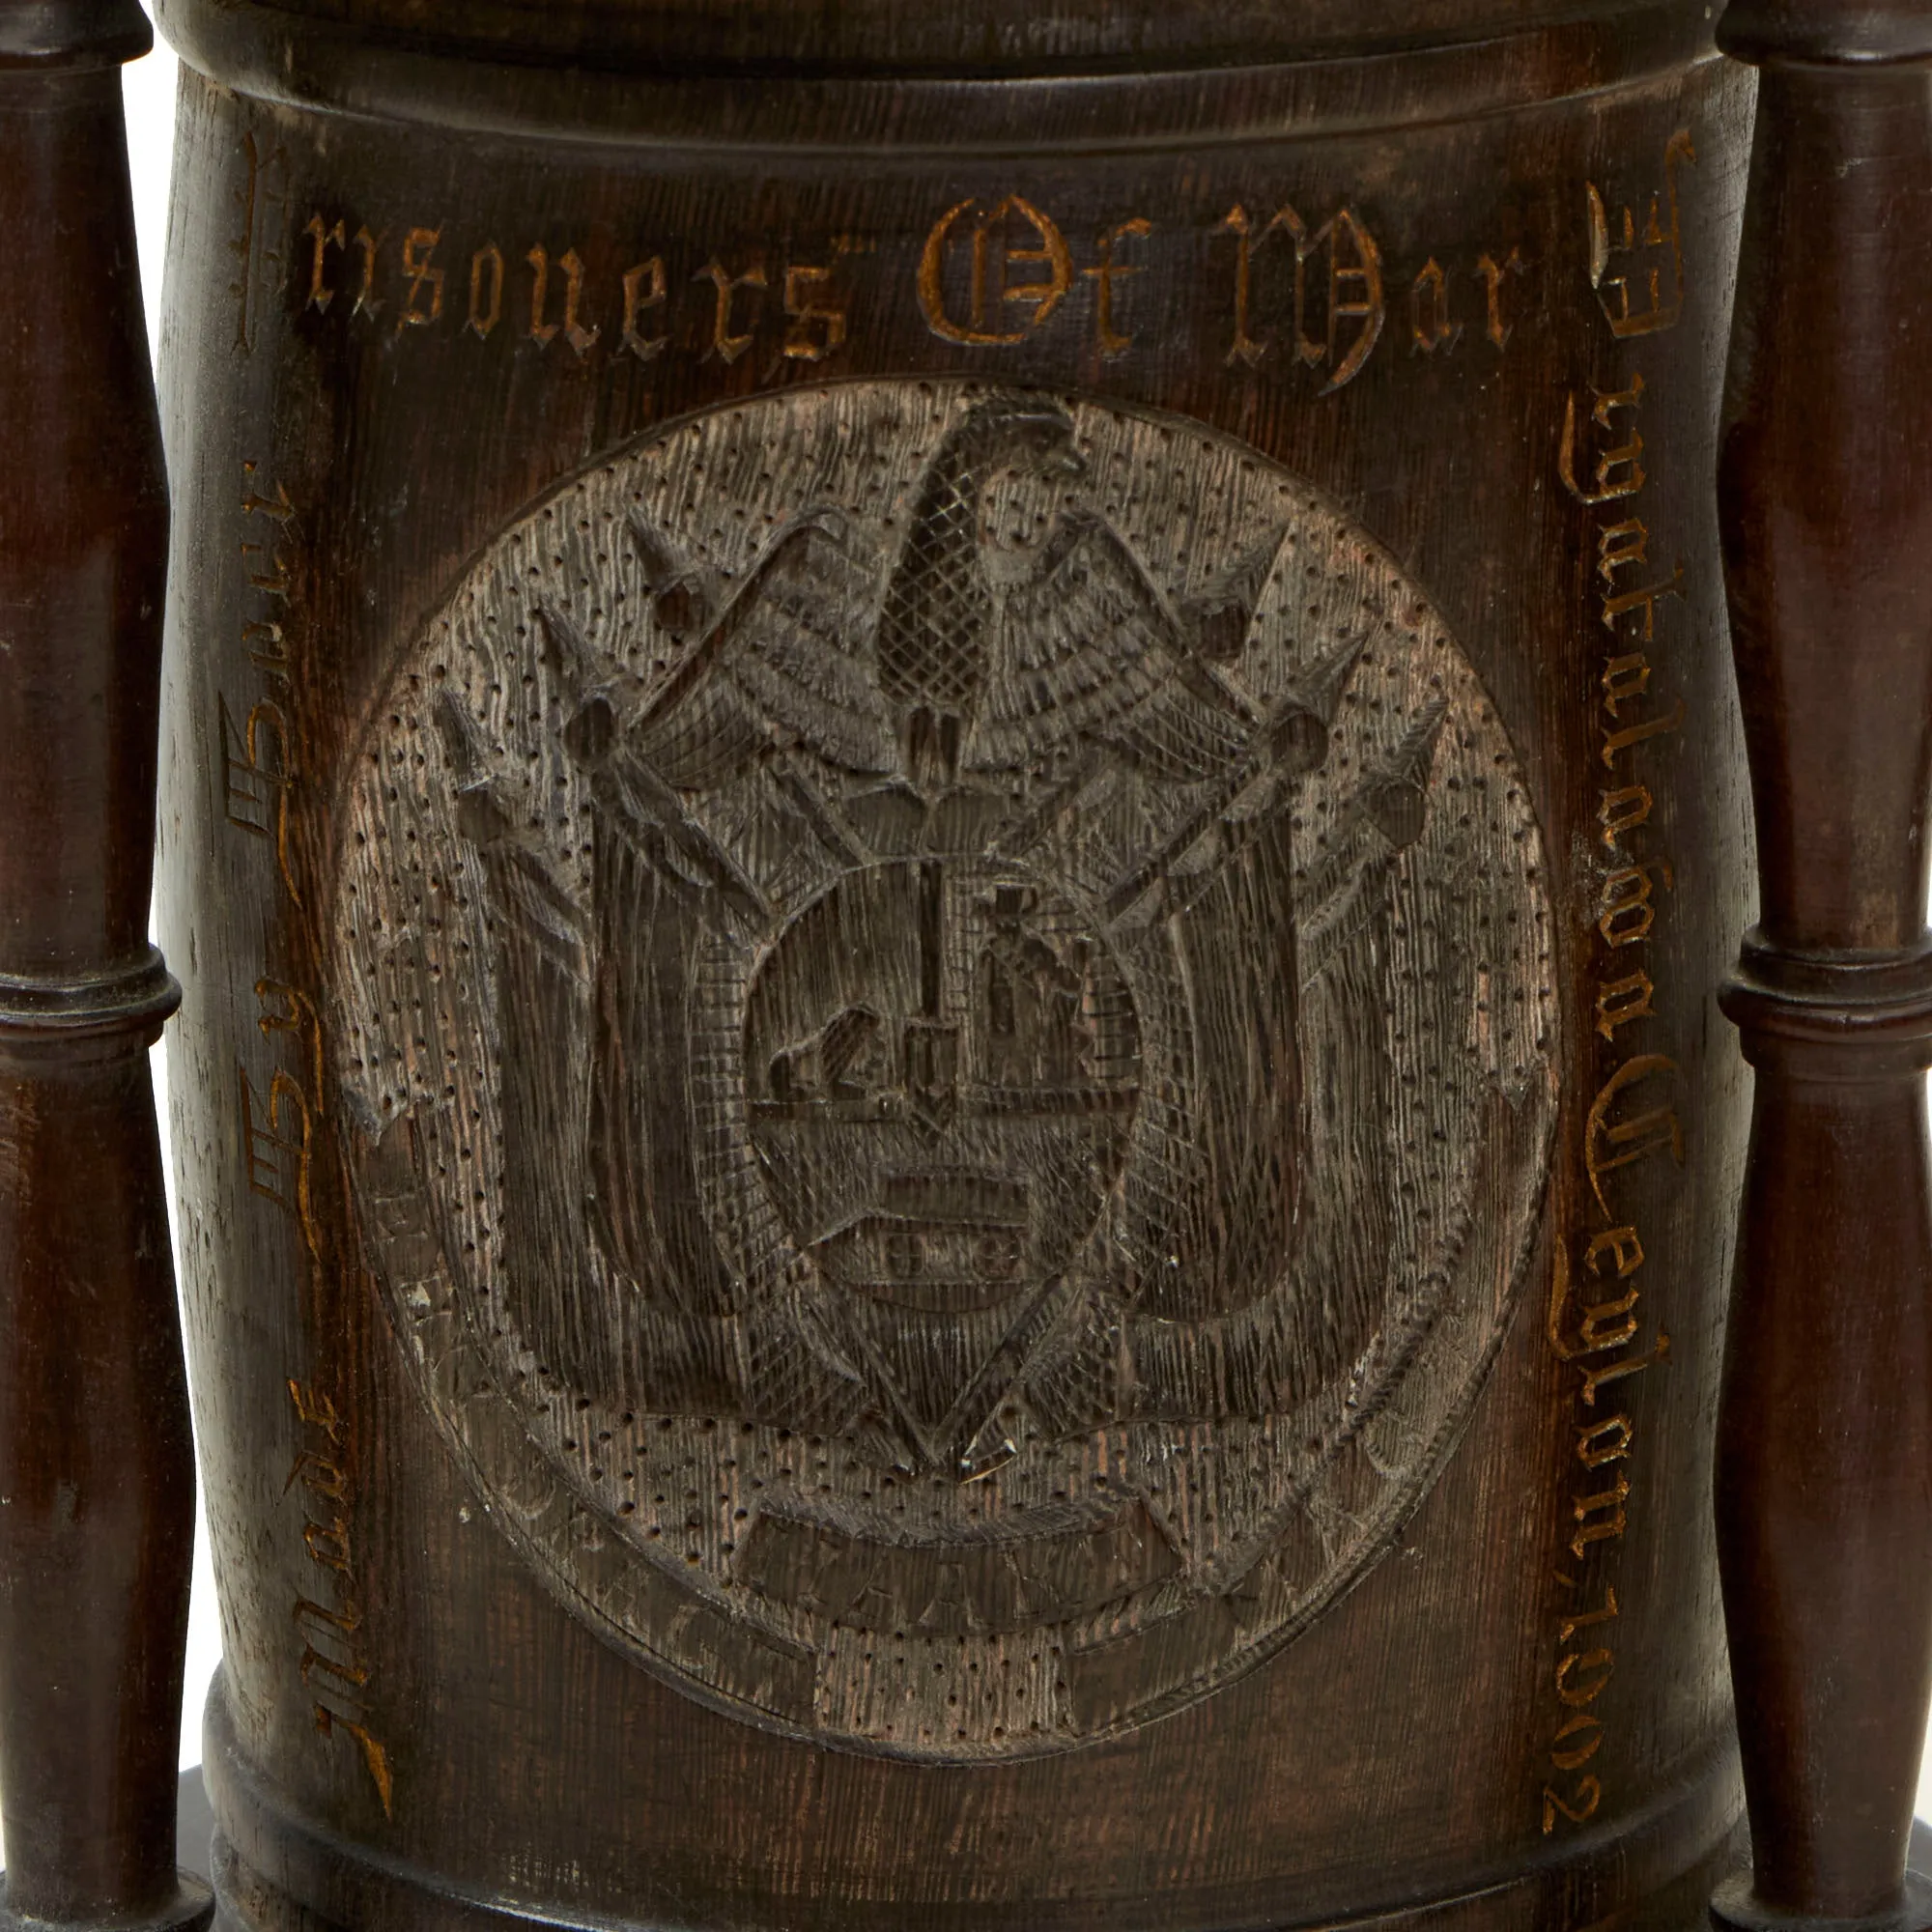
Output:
x=286 y=1009
x=578 y=334
x=1606 y=1325
x=1624 y=677
x=267 y=648
x=278 y=509
x=1578 y=1741
x=1619 y=544
x=329 y=1722
x=1429 y=325
x=1596 y=1666
x=541 y=330
x=1364 y=307
x=1604 y=1442
x=1306 y=349
x=263 y=567
x=1616 y=743
x=1623 y=1248
x=272 y=576
x=419 y=247
x=572 y=327
x=818 y=325
x=1578 y=1807
x=644 y=291
x=367 y=301
x=277 y=1141
x=327 y=1543
x=1623 y=808
x=1612 y=1143
x=1493 y=272
x=992 y=252
x=255 y=766
x=1246 y=349
x=1354 y=303
x=1620 y=606
x=321 y=239
x=486 y=269
x=1655 y=241
x=257 y=777
x=344 y=1621
x=1599 y=1519
x=1114 y=342
x=1619 y=1002
x=350 y=1676
x=1627 y=899
x=1595 y=1377
x=1588 y=1619
x=316 y=1409
x=321 y=1477
x=725 y=344
x=1619 y=471
x=338 y=1625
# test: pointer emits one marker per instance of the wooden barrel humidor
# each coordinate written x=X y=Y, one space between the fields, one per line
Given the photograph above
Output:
x=951 y=801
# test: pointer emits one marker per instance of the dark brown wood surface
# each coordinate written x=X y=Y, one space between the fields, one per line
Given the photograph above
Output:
x=97 y=1486
x=569 y=465
x=324 y=42
x=1824 y=1488
x=1201 y=1779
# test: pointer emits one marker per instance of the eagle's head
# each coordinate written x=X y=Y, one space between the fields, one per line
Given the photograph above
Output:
x=1022 y=433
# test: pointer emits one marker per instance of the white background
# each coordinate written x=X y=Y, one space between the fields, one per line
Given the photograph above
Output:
x=150 y=97
x=149 y=88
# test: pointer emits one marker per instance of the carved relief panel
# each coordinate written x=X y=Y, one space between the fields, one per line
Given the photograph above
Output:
x=946 y=1003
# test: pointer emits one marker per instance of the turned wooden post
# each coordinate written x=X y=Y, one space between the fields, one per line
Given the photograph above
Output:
x=1823 y=1477
x=97 y=1486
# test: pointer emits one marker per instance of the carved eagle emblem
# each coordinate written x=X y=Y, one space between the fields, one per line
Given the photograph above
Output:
x=946 y=1017
x=943 y=1051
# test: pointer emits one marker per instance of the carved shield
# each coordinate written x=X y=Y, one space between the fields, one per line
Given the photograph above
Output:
x=946 y=1005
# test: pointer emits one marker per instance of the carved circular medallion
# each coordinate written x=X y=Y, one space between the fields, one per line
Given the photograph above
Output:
x=944 y=1002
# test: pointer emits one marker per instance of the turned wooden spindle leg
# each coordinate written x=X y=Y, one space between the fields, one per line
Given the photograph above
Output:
x=1823 y=1478
x=96 y=1481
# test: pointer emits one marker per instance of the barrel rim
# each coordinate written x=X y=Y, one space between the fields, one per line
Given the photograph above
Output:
x=270 y=1848
x=684 y=101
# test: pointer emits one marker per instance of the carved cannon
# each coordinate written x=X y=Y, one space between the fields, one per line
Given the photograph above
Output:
x=950 y=808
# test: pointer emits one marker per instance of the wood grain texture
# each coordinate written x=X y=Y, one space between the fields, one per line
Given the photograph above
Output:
x=859 y=1002
x=795 y=38
x=97 y=1486
x=759 y=797
x=1825 y=1466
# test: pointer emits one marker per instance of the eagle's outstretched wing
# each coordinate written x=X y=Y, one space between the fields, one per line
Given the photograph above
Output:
x=786 y=661
x=1218 y=616
x=1089 y=649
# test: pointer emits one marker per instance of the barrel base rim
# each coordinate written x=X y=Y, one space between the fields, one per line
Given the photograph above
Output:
x=246 y=1901
x=276 y=1870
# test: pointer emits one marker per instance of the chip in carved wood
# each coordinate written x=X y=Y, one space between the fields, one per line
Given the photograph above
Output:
x=946 y=1005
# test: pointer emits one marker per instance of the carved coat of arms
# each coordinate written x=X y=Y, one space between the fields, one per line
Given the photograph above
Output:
x=946 y=1000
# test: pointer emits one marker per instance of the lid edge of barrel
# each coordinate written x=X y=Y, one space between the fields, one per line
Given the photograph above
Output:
x=957 y=40
x=685 y=100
